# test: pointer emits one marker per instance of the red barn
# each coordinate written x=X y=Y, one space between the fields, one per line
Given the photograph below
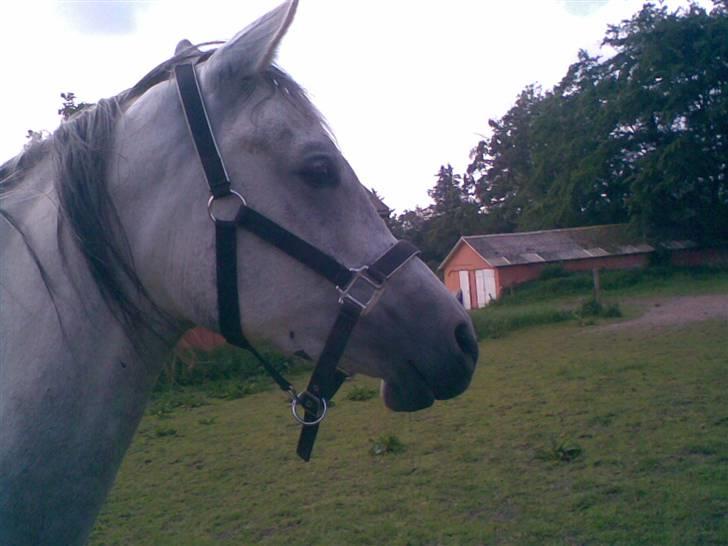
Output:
x=482 y=266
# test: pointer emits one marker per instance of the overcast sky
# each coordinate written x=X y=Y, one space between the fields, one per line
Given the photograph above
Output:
x=406 y=85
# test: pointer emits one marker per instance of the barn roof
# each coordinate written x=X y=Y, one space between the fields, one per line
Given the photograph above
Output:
x=554 y=245
x=382 y=209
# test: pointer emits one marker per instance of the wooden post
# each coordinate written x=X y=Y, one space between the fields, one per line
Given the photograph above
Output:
x=597 y=285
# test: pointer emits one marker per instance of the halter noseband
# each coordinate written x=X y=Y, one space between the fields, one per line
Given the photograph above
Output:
x=358 y=288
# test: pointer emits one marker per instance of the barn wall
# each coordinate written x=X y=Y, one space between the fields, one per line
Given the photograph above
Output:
x=630 y=261
x=464 y=258
x=200 y=339
x=516 y=274
x=694 y=257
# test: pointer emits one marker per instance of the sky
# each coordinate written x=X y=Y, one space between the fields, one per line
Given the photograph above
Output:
x=406 y=85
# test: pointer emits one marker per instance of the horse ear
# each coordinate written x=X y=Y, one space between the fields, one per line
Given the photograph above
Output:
x=253 y=49
x=186 y=46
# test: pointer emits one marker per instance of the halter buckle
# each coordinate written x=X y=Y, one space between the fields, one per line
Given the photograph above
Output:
x=363 y=293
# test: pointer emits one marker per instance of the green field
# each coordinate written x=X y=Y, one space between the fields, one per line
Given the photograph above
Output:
x=570 y=434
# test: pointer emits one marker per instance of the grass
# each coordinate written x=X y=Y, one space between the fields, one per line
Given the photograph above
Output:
x=568 y=435
x=561 y=296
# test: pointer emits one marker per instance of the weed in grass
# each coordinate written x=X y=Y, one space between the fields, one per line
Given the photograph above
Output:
x=167 y=401
x=207 y=421
x=360 y=393
x=233 y=389
x=564 y=451
x=602 y=420
x=385 y=444
x=161 y=432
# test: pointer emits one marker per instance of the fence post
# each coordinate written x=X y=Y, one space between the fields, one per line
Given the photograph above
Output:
x=597 y=285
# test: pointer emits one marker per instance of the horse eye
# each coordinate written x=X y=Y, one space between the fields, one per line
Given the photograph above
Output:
x=319 y=172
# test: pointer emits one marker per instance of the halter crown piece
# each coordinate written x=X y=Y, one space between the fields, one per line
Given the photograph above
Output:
x=358 y=288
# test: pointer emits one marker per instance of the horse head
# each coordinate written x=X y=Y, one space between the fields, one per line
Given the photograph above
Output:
x=279 y=155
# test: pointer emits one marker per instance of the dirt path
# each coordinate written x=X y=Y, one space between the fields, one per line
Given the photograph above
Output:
x=675 y=311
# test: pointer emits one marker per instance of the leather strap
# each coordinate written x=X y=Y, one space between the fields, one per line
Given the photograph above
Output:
x=228 y=307
x=200 y=129
x=392 y=260
x=294 y=246
x=326 y=378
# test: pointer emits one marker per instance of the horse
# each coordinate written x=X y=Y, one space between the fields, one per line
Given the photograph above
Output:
x=108 y=255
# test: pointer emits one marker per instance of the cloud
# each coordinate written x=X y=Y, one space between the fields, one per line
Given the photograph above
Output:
x=406 y=85
x=96 y=17
x=583 y=8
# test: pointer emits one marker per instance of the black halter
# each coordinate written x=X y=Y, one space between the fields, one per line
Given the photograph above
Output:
x=358 y=288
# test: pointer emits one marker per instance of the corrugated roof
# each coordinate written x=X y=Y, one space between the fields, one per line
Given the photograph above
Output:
x=382 y=209
x=555 y=245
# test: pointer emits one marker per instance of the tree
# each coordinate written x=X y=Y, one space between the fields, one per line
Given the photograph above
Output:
x=66 y=111
x=672 y=128
x=69 y=107
x=641 y=136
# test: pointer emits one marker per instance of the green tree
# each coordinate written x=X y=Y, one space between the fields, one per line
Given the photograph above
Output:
x=454 y=212
x=641 y=136
x=66 y=111
x=69 y=107
x=672 y=128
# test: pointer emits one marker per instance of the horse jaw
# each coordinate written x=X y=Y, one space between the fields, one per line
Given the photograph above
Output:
x=397 y=398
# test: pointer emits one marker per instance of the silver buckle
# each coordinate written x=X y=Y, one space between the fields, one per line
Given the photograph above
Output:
x=361 y=300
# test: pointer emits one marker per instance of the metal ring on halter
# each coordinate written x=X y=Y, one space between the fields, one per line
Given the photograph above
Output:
x=212 y=200
x=302 y=420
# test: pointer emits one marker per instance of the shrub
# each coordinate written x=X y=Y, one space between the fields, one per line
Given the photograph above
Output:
x=553 y=271
x=361 y=394
x=593 y=308
x=494 y=322
x=197 y=367
x=386 y=444
x=166 y=402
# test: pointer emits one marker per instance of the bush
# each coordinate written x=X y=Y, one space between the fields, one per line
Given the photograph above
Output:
x=494 y=322
x=593 y=308
x=228 y=373
x=553 y=271
x=386 y=444
x=225 y=363
x=565 y=285
x=361 y=394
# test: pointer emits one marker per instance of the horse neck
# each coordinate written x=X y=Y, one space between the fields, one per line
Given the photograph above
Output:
x=73 y=385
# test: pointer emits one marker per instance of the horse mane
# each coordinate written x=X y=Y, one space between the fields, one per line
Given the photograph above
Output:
x=80 y=148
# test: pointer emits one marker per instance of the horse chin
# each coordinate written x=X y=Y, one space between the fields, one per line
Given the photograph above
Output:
x=398 y=397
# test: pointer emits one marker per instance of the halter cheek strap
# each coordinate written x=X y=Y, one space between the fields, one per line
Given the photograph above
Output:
x=358 y=288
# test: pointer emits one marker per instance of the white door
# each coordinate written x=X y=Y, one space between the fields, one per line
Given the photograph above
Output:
x=485 y=286
x=465 y=287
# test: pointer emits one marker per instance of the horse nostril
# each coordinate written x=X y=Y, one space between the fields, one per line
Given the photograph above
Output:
x=466 y=341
